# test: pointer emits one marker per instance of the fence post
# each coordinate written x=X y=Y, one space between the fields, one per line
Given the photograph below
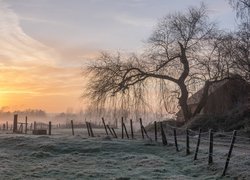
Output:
x=105 y=126
x=229 y=153
x=142 y=133
x=131 y=126
x=91 y=130
x=34 y=126
x=210 y=153
x=50 y=128
x=175 y=140
x=87 y=126
x=122 y=129
x=144 y=130
x=164 y=139
x=155 y=123
x=26 y=124
x=110 y=130
x=187 y=142
x=114 y=132
x=198 y=145
x=72 y=127
x=126 y=130
x=7 y=125
x=15 y=123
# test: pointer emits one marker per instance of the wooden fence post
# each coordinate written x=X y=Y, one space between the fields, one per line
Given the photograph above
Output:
x=142 y=133
x=50 y=128
x=198 y=145
x=229 y=153
x=155 y=123
x=72 y=127
x=210 y=153
x=175 y=140
x=122 y=129
x=187 y=142
x=144 y=130
x=114 y=132
x=110 y=130
x=131 y=127
x=91 y=130
x=126 y=130
x=105 y=126
x=26 y=124
x=87 y=126
x=15 y=123
x=34 y=126
x=163 y=136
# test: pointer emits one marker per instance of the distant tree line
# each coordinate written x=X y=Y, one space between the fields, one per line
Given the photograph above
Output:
x=27 y=112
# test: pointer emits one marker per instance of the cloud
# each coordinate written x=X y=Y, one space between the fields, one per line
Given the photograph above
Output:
x=18 y=47
x=134 y=21
x=30 y=72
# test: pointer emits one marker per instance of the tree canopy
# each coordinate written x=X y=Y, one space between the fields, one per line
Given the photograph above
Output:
x=184 y=52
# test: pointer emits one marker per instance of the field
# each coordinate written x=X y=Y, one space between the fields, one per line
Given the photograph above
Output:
x=63 y=156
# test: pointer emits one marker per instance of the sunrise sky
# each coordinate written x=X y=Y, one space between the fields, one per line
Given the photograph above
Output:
x=45 y=43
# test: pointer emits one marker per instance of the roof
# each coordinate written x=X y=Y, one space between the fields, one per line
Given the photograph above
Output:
x=194 y=99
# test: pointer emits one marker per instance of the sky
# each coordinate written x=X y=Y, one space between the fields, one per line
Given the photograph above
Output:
x=45 y=44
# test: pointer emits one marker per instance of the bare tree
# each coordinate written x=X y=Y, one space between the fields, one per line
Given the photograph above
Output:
x=241 y=37
x=242 y=8
x=182 y=52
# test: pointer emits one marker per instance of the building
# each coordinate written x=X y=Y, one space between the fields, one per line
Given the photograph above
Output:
x=223 y=96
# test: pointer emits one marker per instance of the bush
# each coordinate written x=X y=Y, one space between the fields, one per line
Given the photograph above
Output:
x=237 y=119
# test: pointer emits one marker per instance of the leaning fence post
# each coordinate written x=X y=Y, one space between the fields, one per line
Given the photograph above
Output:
x=163 y=136
x=50 y=128
x=105 y=126
x=122 y=129
x=155 y=123
x=72 y=127
x=131 y=126
x=144 y=130
x=114 y=132
x=87 y=126
x=198 y=145
x=110 y=130
x=142 y=133
x=210 y=153
x=175 y=140
x=126 y=130
x=229 y=153
x=187 y=142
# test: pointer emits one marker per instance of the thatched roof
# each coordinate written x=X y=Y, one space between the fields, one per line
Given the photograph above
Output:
x=194 y=99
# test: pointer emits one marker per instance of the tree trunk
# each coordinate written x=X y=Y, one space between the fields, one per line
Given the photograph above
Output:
x=183 y=102
x=181 y=83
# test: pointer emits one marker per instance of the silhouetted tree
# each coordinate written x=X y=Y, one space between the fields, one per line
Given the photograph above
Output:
x=241 y=37
x=184 y=50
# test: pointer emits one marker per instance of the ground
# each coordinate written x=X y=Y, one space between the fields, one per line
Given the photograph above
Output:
x=78 y=157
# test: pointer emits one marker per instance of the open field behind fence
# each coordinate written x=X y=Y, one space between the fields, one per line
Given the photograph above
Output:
x=223 y=152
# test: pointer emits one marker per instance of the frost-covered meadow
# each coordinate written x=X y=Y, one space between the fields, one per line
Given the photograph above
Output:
x=63 y=156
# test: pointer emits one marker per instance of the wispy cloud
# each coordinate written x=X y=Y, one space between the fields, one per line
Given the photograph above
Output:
x=16 y=46
x=134 y=21
x=30 y=74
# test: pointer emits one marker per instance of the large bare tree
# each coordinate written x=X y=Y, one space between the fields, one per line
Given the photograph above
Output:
x=183 y=51
x=241 y=37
